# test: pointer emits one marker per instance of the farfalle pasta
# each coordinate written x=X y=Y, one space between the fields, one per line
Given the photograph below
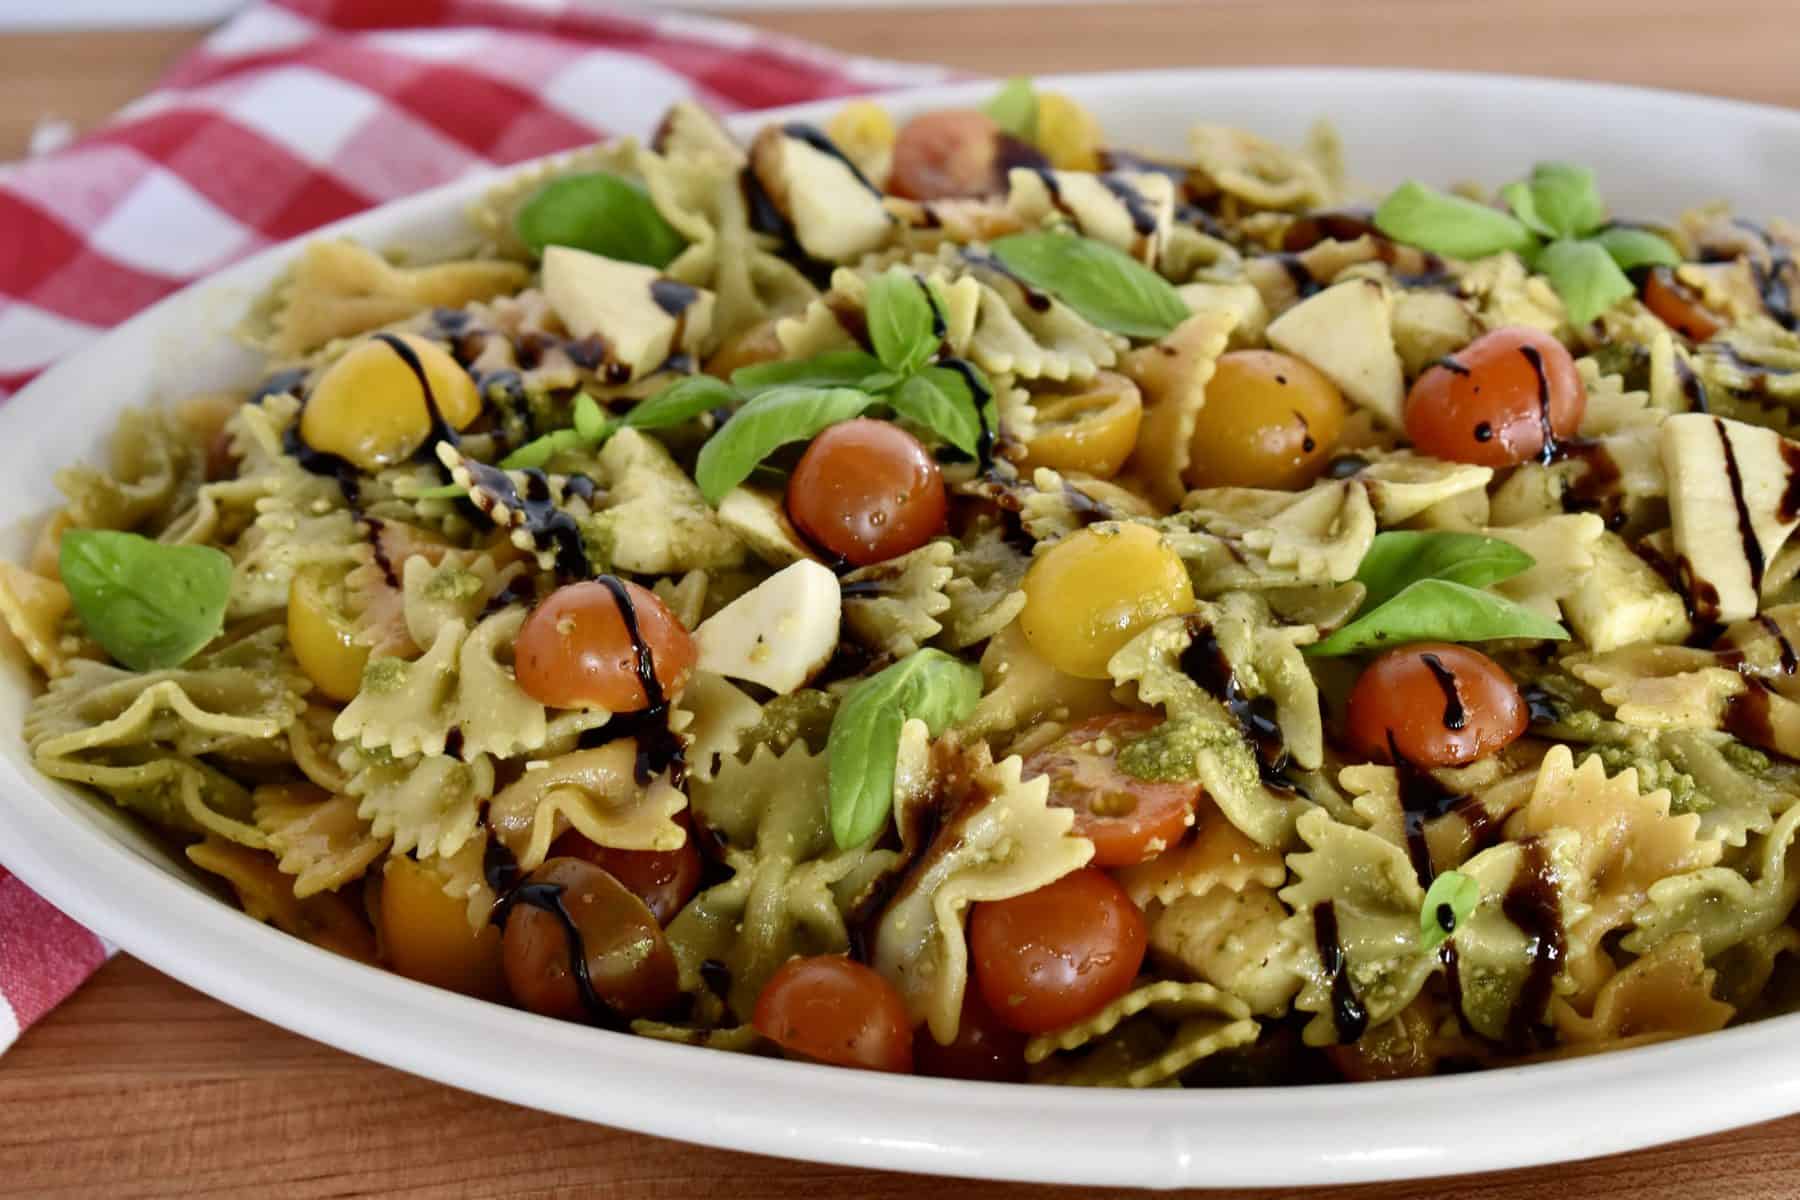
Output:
x=770 y=598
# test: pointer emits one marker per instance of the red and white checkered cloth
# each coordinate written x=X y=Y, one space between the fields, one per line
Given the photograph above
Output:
x=298 y=112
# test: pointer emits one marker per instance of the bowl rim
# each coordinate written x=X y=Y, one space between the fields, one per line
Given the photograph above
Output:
x=1225 y=1137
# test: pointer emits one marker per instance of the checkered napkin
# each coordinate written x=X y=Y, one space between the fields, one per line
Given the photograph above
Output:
x=299 y=112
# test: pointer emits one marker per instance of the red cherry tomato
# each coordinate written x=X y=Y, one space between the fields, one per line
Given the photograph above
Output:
x=663 y=879
x=984 y=1048
x=953 y=152
x=575 y=651
x=1058 y=955
x=1491 y=402
x=1442 y=706
x=833 y=1010
x=1679 y=308
x=867 y=491
x=1128 y=819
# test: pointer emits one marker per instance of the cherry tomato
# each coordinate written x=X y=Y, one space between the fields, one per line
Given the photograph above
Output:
x=984 y=1048
x=1058 y=955
x=663 y=879
x=630 y=968
x=1091 y=592
x=1489 y=403
x=867 y=491
x=1269 y=421
x=953 y=152
x=575 y=651
x=1442 y=705
x=1128 y=819
x=833 y=1010
x=1678 y=307
x=425 y=933
x=1091 y=427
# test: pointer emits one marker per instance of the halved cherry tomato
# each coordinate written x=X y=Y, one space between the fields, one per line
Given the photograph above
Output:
x=1058 y=955
x=1496 y=401
x=1128 y=819
x=984 y=1048
x=867 y=491
x=1678 y=307
x=575 y=650
x=1436 y=705
x=952 y=152
x=663 y=879
x=629 y=967
x=834 y=1010
x=1270 y=421
x=1091 y=427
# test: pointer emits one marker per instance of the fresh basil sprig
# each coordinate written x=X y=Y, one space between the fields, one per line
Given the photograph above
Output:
x=1400 y=558
x=1014 y=108
x=765 y=424
x=834 y=368
x=601 y=213
x=676 y=404
x=938 y=399
x=927 y=685
x=1451 y=900
x=1104 y=285
x=905 y=321
x=149 y=605
x=1429 y=587
x=1584 y=260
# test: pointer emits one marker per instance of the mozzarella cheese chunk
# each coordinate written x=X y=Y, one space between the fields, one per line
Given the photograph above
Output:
x=641 y=315
x=1731 y=486
x=1346 y=331
x=780 y=633
x=1128 y=210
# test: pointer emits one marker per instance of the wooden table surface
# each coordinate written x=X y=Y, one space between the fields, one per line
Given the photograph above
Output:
x=141 y=1086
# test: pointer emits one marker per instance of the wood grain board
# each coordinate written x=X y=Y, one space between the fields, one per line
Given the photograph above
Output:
x=140 y=1086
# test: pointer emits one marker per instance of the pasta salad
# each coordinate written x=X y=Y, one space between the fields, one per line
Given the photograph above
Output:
x=966 y=599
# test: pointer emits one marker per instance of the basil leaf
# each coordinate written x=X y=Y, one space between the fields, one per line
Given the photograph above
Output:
x=151 y=606
x=1519 y=198
x=603 y=214
x=881 y=381
x=926 y=685
x=1400 y=558
x=1449 y=225
x=903 y=318
x=1437 y=610
x=680 y=403
x=938 y=399
x=1014 y=108
x=1586 y=278
x=1566 y=199
x=590 y=422
x=1449 y=902
x=833 y=369
x=765 y=424
x=1636 y=248
x=1107 y=286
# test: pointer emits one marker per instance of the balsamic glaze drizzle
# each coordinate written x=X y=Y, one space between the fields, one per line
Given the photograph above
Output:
x=673 y=296
x=1691 y=386
x=1531 y=905
x=1450 y=364
x=984 y=443
x=1454 y=717
x=1035 y=300
x=1548 y=454
x=1790 y=663
x=813 y=136
x=1753 y=551
x=938 y=326
x=659 y=748
x=544 y=521
x=1205 y=663
x=1347 y=1010
x=1143 y=221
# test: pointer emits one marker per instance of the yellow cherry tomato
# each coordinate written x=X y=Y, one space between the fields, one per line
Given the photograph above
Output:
x=369 y=409
x=1090 y=593
x=425 y=932
x=1091 y=429
x=1067 y=133
x=323 y=638
x=1270 y=421
x=865 y=132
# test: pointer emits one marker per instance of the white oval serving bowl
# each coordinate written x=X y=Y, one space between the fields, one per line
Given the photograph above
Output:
x=1655 y=153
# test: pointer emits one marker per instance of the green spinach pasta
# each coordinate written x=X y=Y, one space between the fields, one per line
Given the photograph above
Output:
x=968 y=600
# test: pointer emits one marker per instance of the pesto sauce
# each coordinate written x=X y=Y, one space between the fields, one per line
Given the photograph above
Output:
x=1170 y=752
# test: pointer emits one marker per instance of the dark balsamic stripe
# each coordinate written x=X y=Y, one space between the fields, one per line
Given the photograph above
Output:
x=1531 y=905
x=1143 y=221
x=1454 y=717
x=1753 y=551
x=1546 y=455
x=1347 y=1010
